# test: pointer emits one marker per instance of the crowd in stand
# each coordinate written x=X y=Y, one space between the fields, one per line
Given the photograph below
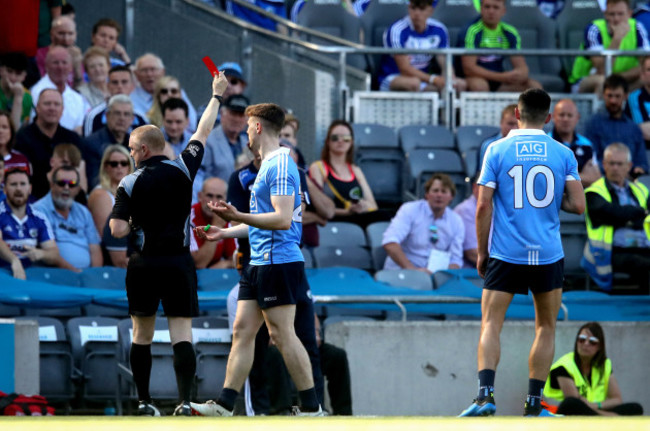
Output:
x=64 y=142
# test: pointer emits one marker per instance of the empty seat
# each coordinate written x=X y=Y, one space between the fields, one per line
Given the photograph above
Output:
x=573 y=245
x=211 y=337
x=378 y=257
x=106 y=277
x=375 y=232
x=351 y=256
x=470 y=157
x=468 y=137
x=571 y=24
x=60 y=276
x=217 y=279
x=341 y=234
x=411 y=278
x=412 y=137
x=386 y=175
x=374 y=136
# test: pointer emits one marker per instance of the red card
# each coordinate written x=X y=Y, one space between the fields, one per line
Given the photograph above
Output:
x=210 y=65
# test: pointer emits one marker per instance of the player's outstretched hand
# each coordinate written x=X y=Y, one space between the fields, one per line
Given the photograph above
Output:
x=224 y=210
x=213 y=233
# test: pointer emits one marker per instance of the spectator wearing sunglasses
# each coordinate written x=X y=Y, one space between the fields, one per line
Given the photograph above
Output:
x=26 y=237
x=426 y=234
x=166 y=87
x=236 y=83
x=582 y=382
x=115 y=165
x=72 y=223
x=211 y=254
x=119 y=118
x=69 y=155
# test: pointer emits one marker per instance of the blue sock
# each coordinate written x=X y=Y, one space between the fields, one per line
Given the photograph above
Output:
x=535 y=391
x=485 y=384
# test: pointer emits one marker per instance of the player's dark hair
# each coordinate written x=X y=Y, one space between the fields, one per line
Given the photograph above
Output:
x=534 y=105
x=615 y=81
x=272 y=115
x=174 y=103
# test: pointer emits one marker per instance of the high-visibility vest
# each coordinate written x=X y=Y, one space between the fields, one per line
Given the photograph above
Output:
x=594 y=392
x=597 y=256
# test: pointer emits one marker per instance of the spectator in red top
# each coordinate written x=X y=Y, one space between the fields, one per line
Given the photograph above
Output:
x=211 y=254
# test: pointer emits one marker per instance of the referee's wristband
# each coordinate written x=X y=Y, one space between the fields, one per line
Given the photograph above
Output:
x=219 y=98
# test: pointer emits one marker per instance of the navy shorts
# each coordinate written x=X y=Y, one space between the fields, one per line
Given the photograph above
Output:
x=171 y=280
x=514 y=278
x=273 y=285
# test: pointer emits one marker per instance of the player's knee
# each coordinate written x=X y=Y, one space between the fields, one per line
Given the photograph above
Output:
x=243 y=331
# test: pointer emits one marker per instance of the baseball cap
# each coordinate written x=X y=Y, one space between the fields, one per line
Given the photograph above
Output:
x=237 y=103
x=233 y=69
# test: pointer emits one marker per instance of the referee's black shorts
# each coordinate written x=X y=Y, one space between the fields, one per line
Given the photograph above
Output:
x=273 y=285
x=171 y=280
x=514 y=278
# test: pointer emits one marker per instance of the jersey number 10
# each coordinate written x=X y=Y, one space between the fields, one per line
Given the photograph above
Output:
x=517 y=174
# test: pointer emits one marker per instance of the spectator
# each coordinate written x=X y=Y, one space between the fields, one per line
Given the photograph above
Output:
x=276 y=7
x=467 y=212
x=120 y=81
x=174 y=122
x=416 y=72
x=38 y=139
x=119 y=117
x=487 y=73
x=638 y=102
x=115 y=165
x=226 y=142
x=426 y=234
x=69 y=155
x=96 y=63
x=63 y=33
x=565 y=120
x=642 y=15
x=58 y=65
x=340 y=179
x=24 y=230
x=47 y=12
x=149 y=68
x=71 y=222
x=616 y=210
x=508 y=123
x=610 y=125
x=166 y=88
x=212 y=254
x=13 y=96
x=583 y=381
x=11 y=157
x=617 y=31
x=289 y=133
x=105 y=33
x=236 y=83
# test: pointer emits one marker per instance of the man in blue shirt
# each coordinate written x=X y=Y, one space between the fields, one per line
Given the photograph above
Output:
x=611 y=125
x=275 y=275
x=72 y=223
x=526 y=178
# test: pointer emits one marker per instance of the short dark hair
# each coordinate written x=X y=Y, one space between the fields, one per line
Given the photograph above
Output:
x=444 y=179
x=15 y=60
x=119 y=68
x=17 y=170
x=615 y=81
x=534 y=105
x=107 y=22
x=175 y=103
x=65 y=168
x=420 y=4
x=67 y=9
x=269 y=113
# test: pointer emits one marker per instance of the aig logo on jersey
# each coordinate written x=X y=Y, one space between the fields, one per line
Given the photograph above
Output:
x=532 y=150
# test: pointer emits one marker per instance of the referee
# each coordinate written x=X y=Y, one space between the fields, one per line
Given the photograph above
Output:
x=153 y=204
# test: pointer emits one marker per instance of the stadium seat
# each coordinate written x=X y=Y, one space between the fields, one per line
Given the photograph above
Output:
x=375 y=232
x=411 y=278
x=309 y=259
x=211 y=337
x=374 y=136
x=422 y=136
x=424 y=162
x=217 y=279
x=60 y=276
x=378 y=257
x=572 y=223
x=386 y=176
x=352 y=256
x=470 y=157
x=341 y=234
x=468 y=137
x=105 y=277
x=573 y=245
x=455 y=14
x=94 y=342
x=571 y=24
x=56 y=364
x=329 y=17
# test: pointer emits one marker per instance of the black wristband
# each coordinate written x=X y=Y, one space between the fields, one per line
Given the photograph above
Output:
x=219 y=98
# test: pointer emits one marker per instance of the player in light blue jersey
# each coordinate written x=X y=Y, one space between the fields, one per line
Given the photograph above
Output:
x=272 y=281
x=525 y=179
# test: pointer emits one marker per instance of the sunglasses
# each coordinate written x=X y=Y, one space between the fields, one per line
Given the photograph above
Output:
x=592 y=340
x=344 y=138
x=63 y=183
x=165 y=91
x=234 y=81
x=115 y=164
x=434 y=234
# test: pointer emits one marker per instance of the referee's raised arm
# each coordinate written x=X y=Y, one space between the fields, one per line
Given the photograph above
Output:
x=206 y=124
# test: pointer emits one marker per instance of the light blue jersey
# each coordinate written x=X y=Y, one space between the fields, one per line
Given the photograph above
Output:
x=527 y=170
x=278 y=176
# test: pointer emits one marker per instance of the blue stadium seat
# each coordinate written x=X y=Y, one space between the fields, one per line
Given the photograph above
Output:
x=211 y=337
x=410 y=278
x=217 y=279
x=468 y=137
x=423 y=136
x=352 y=256
x=106 y=277
x=341 y=234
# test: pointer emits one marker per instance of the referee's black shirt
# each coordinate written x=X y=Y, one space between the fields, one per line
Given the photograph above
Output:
x=157 y=199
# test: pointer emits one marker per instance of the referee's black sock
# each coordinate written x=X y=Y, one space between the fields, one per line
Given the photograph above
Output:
x=308 y=400
x=227 y=398
x=140 y=359
x=185 y=368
